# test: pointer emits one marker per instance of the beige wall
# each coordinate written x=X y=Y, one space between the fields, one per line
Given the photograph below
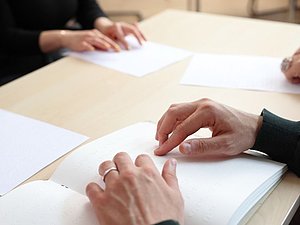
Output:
x=229 y=7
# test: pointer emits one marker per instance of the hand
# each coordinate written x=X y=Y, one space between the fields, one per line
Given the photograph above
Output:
x=136 y=193
x=233 y=131
x=117 y=31
x=291 y=68
x=87 y=40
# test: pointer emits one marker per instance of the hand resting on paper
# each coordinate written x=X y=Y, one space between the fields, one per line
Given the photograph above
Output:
x=233 y=131
x=118 y=31
x=290 y=66
x=136 y=193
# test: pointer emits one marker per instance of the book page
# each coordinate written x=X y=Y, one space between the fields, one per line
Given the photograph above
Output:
x=238 y=71
x=45 y=203
x=214 y=190
x=28 y=145
x=139 y=60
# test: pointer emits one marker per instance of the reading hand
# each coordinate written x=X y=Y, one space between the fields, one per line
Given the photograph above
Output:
x=138 y=194
x=233 y=131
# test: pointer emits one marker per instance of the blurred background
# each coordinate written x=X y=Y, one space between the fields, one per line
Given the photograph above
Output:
x=135 y=10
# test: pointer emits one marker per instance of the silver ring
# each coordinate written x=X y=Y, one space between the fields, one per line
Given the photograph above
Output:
x=106 y=172
x=286 y=64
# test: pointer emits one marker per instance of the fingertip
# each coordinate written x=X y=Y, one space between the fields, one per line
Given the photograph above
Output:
x=185 y=148
x=158 y=152
x=169 y=172
x=91 y=189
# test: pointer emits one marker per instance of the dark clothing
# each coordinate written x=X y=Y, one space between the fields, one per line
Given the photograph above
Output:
x=22 y=22
x=280 y=139
x=168 y=222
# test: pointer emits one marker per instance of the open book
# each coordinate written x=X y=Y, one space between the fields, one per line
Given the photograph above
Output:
x=216 y=191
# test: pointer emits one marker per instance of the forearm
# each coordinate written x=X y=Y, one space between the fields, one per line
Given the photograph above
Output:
x=53 y=40
x=280 y=139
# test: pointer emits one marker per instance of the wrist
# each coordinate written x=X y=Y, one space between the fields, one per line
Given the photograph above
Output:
x=62 y=36
x=102 y=23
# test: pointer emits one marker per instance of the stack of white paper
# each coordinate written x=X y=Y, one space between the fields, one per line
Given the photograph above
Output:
x=28 y=145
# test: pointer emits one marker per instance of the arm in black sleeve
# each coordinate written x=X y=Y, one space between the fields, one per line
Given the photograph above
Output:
x=280 y=139
x=14 y=40
x=88 y=12
x=167 y=222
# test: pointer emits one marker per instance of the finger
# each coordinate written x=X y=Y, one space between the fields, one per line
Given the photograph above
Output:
x=94 y=193
x=108 y=176
x=123 y=162
x=100 y=44
x=128 y=29
x=140 y=32
x=295 y=80
x=180 y=131
x=159 y=125
x=144 y=160
x=121 y=36
x=87 y=46
x=110 y=43
x=176 y=114
x=215 y=146
x=169 y=173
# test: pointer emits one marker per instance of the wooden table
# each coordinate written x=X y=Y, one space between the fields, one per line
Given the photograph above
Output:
x=95 y=101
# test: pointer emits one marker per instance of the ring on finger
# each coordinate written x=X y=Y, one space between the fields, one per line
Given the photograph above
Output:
x=106 y=172
x=286 y=64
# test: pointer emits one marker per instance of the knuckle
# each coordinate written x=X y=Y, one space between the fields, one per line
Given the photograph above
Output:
x=181 y=131
x=120 y=155
x=141 y=157
x=172 y=111
x=149 y=172
x=129 y=177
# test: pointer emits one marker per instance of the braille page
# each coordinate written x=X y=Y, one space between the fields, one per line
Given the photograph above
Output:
x=238 y=71
x=45 y=203
x=139 y=60
x=216 y=191
x=28 y=145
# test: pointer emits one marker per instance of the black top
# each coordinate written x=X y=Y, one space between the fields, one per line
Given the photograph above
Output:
x=168 y=222
x=22 y=21
x=280 y=139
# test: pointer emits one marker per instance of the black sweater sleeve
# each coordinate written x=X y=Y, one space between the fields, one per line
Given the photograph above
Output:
x=280 y=139
x=167 y=222
x=88 y=11
x=12 y=38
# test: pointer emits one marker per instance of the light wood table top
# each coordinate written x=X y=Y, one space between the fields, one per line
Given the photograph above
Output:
x=95 y=101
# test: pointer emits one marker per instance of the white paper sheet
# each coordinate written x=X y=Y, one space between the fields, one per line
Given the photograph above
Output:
x=216 y=191
x=45 y=203
x=139 y=60
x=28 y=145
x=237 y=71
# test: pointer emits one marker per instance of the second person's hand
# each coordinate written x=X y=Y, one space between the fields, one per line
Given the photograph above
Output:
x=117 y=31
x=233 y=131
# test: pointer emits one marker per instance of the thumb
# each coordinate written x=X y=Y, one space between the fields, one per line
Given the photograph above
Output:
x=201 y=146
x=169 y=173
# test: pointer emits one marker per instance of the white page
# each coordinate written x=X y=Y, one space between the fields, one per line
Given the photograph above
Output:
x=45 y=203
x=237 y=71
x=28 y=145
x=213 y=189
x=139 y=60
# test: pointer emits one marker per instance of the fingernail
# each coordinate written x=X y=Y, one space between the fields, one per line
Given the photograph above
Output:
x=186 y=148
x=173 y=164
